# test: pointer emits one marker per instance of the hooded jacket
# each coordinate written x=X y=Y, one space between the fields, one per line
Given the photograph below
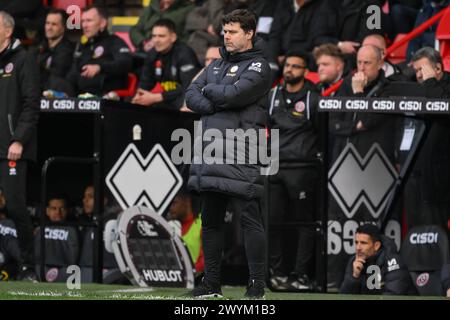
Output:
x=229 y=94
x=20 y=100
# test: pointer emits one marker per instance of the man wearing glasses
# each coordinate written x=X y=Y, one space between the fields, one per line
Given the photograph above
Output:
x=292 y=110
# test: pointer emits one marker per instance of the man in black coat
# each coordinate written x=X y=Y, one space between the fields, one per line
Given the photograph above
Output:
x=101 y=60
x=168 y=70
x=229 y=94
x=427 y=195
x=19 y=113
x=293 y=111
x=55 y=53
x=376 y=267
x=364 y=129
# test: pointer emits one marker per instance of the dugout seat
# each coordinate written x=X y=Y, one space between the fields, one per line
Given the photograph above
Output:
x=61 y=251
x=111 y=272
x=425 y=250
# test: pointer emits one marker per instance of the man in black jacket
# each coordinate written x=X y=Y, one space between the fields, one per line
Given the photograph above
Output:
x=293 y=111
x=364 y=129
x=427 y=195
x=55 y=52
x=19 y=113
x=101 y=61
x=376 y=267
x=168 y=69
x=229 y=94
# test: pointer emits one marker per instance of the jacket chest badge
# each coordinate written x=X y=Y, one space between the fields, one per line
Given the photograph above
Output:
x=232 y=71
x=48 y=63
x=276 y=103
x=173 y=70
x=299 y=106
x=6 y=72
x=98 y=52
x=158 y=68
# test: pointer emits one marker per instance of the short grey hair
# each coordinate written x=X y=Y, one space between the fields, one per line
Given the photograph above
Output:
x=430 y=53
x=378 y=52
x=8 y=20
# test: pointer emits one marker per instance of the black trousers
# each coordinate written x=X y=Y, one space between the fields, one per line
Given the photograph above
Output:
x=214 y=207
x=292 y=199
x=13 y=184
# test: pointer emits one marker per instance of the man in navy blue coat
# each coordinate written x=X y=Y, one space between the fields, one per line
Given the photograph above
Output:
x=229 y=94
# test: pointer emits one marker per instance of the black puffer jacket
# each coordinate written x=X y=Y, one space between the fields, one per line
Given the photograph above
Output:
x=229 y=94
x=394 y=275
x=19 y=96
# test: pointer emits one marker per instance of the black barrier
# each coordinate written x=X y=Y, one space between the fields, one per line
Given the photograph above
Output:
x=406 y=106
x=114 y=122
x=92 y=106
x=422 y=111
x=385 y=105
x=101 y=130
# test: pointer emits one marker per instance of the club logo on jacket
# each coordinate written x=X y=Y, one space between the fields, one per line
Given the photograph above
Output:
x=9 y=68
x=12 y=168
x=299 y=106
x=48 y=63
x=98 y=52
x=232 y=71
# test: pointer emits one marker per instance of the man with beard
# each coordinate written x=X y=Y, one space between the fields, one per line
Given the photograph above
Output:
x=376 y=268
x=293 y=111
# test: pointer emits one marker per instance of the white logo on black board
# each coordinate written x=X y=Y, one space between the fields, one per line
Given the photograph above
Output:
x=152 y=182
x=354 y=180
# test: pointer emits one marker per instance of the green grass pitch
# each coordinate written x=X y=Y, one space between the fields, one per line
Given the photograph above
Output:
x=13 y=290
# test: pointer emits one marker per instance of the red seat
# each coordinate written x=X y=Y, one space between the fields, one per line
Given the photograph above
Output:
x=125 y=36
x=313 y=77
x=130 y=91
x=399 y=54
x=386 y=7
x=64 y=4
x=443 y=35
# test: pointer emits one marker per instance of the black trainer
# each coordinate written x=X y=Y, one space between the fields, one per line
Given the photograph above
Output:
x=204 y=290
x=255 y=290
